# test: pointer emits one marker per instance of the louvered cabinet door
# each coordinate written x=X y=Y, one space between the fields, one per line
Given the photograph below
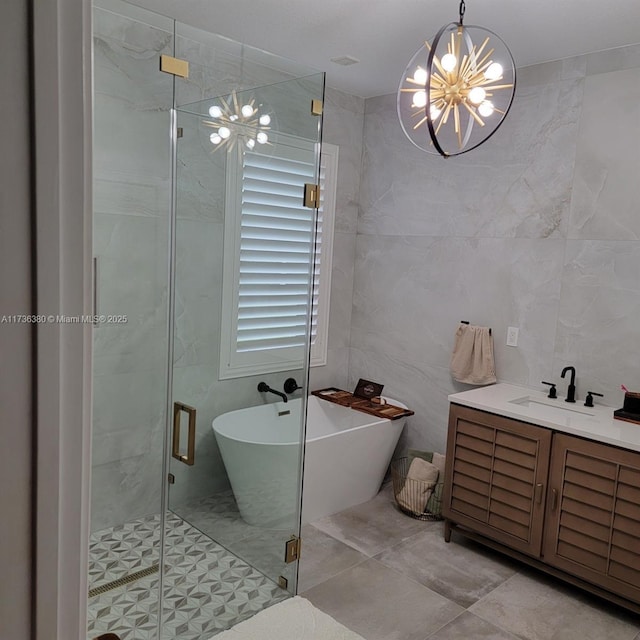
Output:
x=593 y=514
x=496 y=477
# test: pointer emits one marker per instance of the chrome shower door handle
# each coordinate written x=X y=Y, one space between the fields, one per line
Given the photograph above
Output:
x=189 y=458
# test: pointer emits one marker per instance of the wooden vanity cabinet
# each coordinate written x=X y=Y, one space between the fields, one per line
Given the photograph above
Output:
x=564 y=504
x=496 y=481
x=592 y=525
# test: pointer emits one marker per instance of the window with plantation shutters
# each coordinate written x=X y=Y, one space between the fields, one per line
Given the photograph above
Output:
x=274 y=249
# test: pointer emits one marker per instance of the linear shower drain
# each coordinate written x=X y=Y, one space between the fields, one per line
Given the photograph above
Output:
x=132 y=577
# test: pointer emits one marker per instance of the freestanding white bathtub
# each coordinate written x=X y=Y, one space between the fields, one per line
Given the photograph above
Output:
x=347 y=455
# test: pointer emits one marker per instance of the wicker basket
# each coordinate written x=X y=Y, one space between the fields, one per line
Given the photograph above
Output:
x=408 y=492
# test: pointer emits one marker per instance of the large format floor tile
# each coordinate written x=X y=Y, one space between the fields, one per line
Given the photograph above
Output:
x=381 y=604
x=323 y=557
x=495 y=597
x=534 y=607
x=460 y=570
x=373 y=526
x=469 y=627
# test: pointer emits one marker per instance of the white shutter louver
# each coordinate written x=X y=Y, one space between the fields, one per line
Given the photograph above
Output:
x=269 y=244
x=276 y=244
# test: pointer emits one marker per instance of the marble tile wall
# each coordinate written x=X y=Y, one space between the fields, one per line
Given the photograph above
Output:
x=536 y=229
x=342 y=126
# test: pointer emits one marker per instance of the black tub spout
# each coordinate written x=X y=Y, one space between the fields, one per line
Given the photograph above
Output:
x=263 y=387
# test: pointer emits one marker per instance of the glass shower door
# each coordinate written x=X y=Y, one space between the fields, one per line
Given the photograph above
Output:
x=244 y=243
x=131 y=220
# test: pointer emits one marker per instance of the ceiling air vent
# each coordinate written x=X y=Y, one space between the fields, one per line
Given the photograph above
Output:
x=345 y=61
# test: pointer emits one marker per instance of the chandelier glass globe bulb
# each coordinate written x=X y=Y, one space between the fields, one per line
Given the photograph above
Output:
x=477 y=95
x=265 y=120
x=247 y=110
x=494 y=71
x=215 y=138
x=224 y=132
x=486 y=109
x=262 y=137
x=420 y=99
x=215 y=111
x=420 y=76
x=449 y=62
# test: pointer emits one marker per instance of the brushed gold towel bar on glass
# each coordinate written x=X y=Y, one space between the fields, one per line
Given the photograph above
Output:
x=189 y=458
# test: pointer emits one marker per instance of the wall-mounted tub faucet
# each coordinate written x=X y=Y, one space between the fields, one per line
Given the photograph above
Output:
x=290 y=385
x=263 y=387
x=571 y=389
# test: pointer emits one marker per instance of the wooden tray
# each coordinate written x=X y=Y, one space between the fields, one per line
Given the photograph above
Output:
x=621 y=414
x=347 y=399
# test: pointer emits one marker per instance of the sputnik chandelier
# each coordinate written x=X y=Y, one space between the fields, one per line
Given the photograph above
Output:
x=234 y=123
x=456 y=90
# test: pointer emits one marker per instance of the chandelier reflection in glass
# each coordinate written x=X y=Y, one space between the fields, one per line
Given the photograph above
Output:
x=236 y=123
x=456 y=90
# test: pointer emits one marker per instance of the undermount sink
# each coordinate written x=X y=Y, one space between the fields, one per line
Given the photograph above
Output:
x=551 y=410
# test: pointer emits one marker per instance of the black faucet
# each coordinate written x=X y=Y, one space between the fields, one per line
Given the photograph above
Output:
x=552 y=389
x=263 y=387
x=290 y=385
x=588 y=401
x=571 y=389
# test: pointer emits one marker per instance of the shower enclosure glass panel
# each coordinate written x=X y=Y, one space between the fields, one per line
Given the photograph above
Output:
x=131 y=221
x=244 y=249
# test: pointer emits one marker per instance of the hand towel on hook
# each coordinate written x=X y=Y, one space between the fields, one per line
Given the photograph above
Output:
x=472 y=358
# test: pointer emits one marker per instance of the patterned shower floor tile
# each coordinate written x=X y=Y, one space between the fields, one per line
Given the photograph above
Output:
x=206 y=588
x=218 y=517
x=119 y=551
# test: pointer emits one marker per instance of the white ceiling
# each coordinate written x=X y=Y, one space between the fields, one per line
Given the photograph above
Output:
x=384 y=34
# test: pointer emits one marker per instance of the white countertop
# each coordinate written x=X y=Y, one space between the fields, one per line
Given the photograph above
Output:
x=529 y=405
